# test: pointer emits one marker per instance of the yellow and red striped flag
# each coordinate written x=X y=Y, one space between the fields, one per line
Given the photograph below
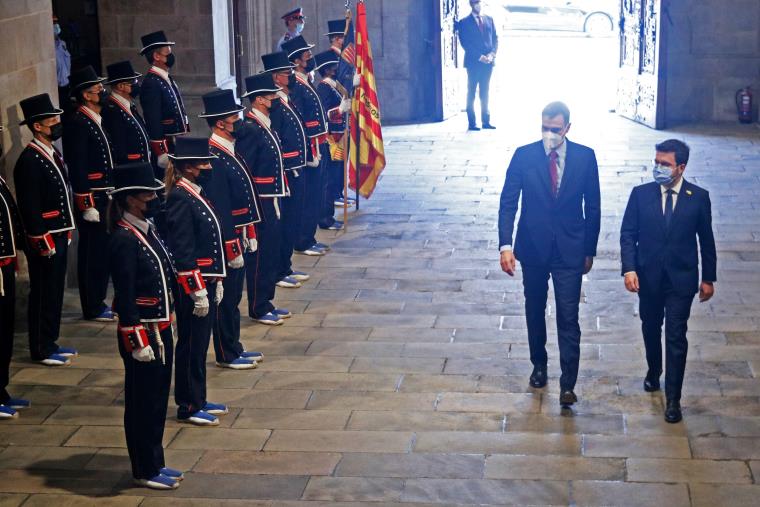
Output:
x=366 y=150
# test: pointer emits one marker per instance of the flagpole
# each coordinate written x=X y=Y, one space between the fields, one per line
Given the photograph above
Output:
x=346 y=137
x=358 y=141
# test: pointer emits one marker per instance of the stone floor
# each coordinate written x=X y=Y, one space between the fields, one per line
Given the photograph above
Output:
x=402 y=376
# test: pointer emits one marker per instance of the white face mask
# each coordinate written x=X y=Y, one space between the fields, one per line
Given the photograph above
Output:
x=57 y=29
x=552 y=141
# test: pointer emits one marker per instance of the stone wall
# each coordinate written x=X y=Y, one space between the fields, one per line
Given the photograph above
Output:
x=27 y=67
x=713 y=50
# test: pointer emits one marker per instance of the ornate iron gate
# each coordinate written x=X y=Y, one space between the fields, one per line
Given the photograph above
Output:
x=641 y=89
x=449 y=97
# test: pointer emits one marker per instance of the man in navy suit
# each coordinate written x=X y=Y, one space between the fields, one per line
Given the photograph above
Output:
x=660 y=257
x=477 y=34
x=556 y=237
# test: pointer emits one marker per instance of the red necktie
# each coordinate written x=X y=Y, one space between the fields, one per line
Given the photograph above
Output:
x=480 y=23
x=553 y=156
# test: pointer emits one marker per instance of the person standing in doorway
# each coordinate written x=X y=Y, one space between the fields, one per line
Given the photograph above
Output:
x=477 y=34
x=660 y=257
x=294 y=22
x=556 y=237
x=62 y=64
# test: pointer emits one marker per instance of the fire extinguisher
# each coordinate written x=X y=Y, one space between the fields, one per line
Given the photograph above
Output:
x=744 y=105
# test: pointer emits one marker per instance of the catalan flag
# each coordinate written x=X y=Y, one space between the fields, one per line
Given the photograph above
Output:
x=366 y=152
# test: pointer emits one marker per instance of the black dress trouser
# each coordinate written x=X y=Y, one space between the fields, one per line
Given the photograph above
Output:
x=47 y=281
x=146 y=396
x=226 y=324
x=675 y=309
x=92 y=265
x=194 y=335
x=7 y=327
x=478 y=81
x=311 y=204
x=292 y=210
x=332 y=187
x=567 y=280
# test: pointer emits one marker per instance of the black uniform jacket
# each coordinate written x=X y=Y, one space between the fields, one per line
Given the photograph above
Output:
x=232 y=194
x=126 y=130
x=289 y=126
x=87 y=151
x=307 y=102
x=331 y=99
x=42 y=192
x=652 y=249
x=11 y=232
x=163 y=108
x=261 y=151
x=143 y=276
x=195 y=234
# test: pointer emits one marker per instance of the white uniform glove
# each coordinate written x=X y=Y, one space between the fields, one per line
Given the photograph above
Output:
x=357 y=79
x=91 y=215
x=345 y=106
x=200 y=303
x=163 y=161
x=144 y=355
x=238 y=261
x=219 y=292
x=253 y=245
x=49 y=253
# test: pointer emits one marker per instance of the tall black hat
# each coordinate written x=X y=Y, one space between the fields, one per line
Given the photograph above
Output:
x=295 y=13
x=276 y=61
x=135 y=177
x=296 y=46
x=38 y=108
x=260 y=84
x=121 y=71
x=336 y=27
x=84 y=78
x=220 y=103
x=155 y=39
x=328 y=57
x=191 y=148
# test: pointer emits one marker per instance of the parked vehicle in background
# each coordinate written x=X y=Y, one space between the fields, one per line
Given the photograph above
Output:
x=595 y=17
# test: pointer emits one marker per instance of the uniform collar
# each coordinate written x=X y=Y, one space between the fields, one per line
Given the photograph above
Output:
x=126 y=104
x=676 y=188
x=283 y=96
x=192 y=185
x=140 y=223
x=161 y=72
x=330 y=81
x=92 y=114
x=262 y=117
x=49 y=150
x=224 y=143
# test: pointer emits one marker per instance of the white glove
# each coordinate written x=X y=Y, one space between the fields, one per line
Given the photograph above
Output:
x=49 y=253
x=91 y=215
x=163 y=161
x=144 y=355
x=357 y=79
x=345 y=106
x=237 y=262
x=219 y=292
x=253 y=245
x=200 y=303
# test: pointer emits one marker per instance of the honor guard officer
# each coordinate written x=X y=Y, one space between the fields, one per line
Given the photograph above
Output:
x=87 y=152
x=261 y=151
x=144 y=284
x=11 y=240
x=121 y=120
x=44 y=202
x=288 y=125
x=161 y=100
x=306 y=101
x=197 y=244
x=233 y=196
x=294 y=21
x=334 y=98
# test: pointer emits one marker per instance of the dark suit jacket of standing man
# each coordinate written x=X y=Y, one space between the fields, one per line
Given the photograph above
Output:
x=652 y=250
x=572 y=220
x=477 y=43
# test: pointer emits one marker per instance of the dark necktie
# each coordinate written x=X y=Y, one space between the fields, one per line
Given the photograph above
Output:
x=669 y=207
x=553 y=174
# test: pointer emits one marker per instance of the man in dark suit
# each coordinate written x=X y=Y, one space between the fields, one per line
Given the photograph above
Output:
x=660 y=257
x=556 y=237
x=477 y=34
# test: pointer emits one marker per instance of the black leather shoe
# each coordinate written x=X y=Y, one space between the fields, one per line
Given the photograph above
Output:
x=567 y=398
x=488 y=126
x=651 y=386
x=673 y=412
x=473 y=127
x=538 y=378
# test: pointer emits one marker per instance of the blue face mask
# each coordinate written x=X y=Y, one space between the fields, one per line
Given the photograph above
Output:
x=663 y=175
x=299 y=28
